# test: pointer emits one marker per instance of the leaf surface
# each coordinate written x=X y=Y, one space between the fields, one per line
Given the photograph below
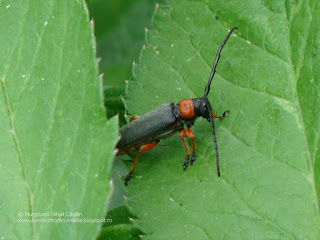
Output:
x=56 y=144
x=268 y=77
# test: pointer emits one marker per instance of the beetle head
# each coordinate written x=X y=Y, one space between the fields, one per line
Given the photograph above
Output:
x=202 y=107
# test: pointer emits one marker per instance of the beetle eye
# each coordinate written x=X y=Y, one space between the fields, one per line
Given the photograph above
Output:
x=205 y=107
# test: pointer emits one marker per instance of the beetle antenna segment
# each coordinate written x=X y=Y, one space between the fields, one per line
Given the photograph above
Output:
x=215 y=143
x=213 y=71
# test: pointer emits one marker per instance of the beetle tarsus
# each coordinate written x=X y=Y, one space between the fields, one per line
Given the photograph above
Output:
x=127 y=178
x=223 y=114
x=193 y=158
x=186 y=162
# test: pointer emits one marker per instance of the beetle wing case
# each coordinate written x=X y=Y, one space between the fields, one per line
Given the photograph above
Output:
x=148 y=126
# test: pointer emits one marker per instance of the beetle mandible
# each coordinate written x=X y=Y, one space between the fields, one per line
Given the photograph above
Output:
x=144 y=133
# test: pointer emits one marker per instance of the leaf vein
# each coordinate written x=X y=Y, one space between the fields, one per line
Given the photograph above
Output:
x=22 y=161
x=298 y=171
x=275 y=225
x=201 y=56
x=257 y=46
x=39 y=44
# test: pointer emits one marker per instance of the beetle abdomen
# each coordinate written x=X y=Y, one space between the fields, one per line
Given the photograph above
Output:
x=148 y=126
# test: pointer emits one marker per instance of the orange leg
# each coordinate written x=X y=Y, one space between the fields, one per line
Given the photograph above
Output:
x=191 y=136
x=183 y=134
x=143 y=148
x=135 y=117
x=220 y=116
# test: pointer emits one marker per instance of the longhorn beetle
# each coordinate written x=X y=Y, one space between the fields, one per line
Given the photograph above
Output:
x=144 y=133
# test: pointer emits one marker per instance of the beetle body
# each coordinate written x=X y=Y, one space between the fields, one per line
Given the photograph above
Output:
x=155 y=125
x=144 y=133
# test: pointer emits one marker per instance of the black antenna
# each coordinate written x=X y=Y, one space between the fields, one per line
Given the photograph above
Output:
x=215 y=143
x=213 y=71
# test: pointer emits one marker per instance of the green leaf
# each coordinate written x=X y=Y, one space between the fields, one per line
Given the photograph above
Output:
x=269 y=78
x=56 y=144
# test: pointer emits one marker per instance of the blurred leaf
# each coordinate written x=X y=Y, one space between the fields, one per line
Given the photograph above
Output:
x=120 y=31
x=268 y=77
x=56 y=143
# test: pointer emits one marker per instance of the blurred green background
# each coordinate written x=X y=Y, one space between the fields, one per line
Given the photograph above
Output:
x=120 y=34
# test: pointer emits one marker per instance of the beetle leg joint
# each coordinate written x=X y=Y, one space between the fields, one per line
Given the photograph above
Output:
x=135 y=117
